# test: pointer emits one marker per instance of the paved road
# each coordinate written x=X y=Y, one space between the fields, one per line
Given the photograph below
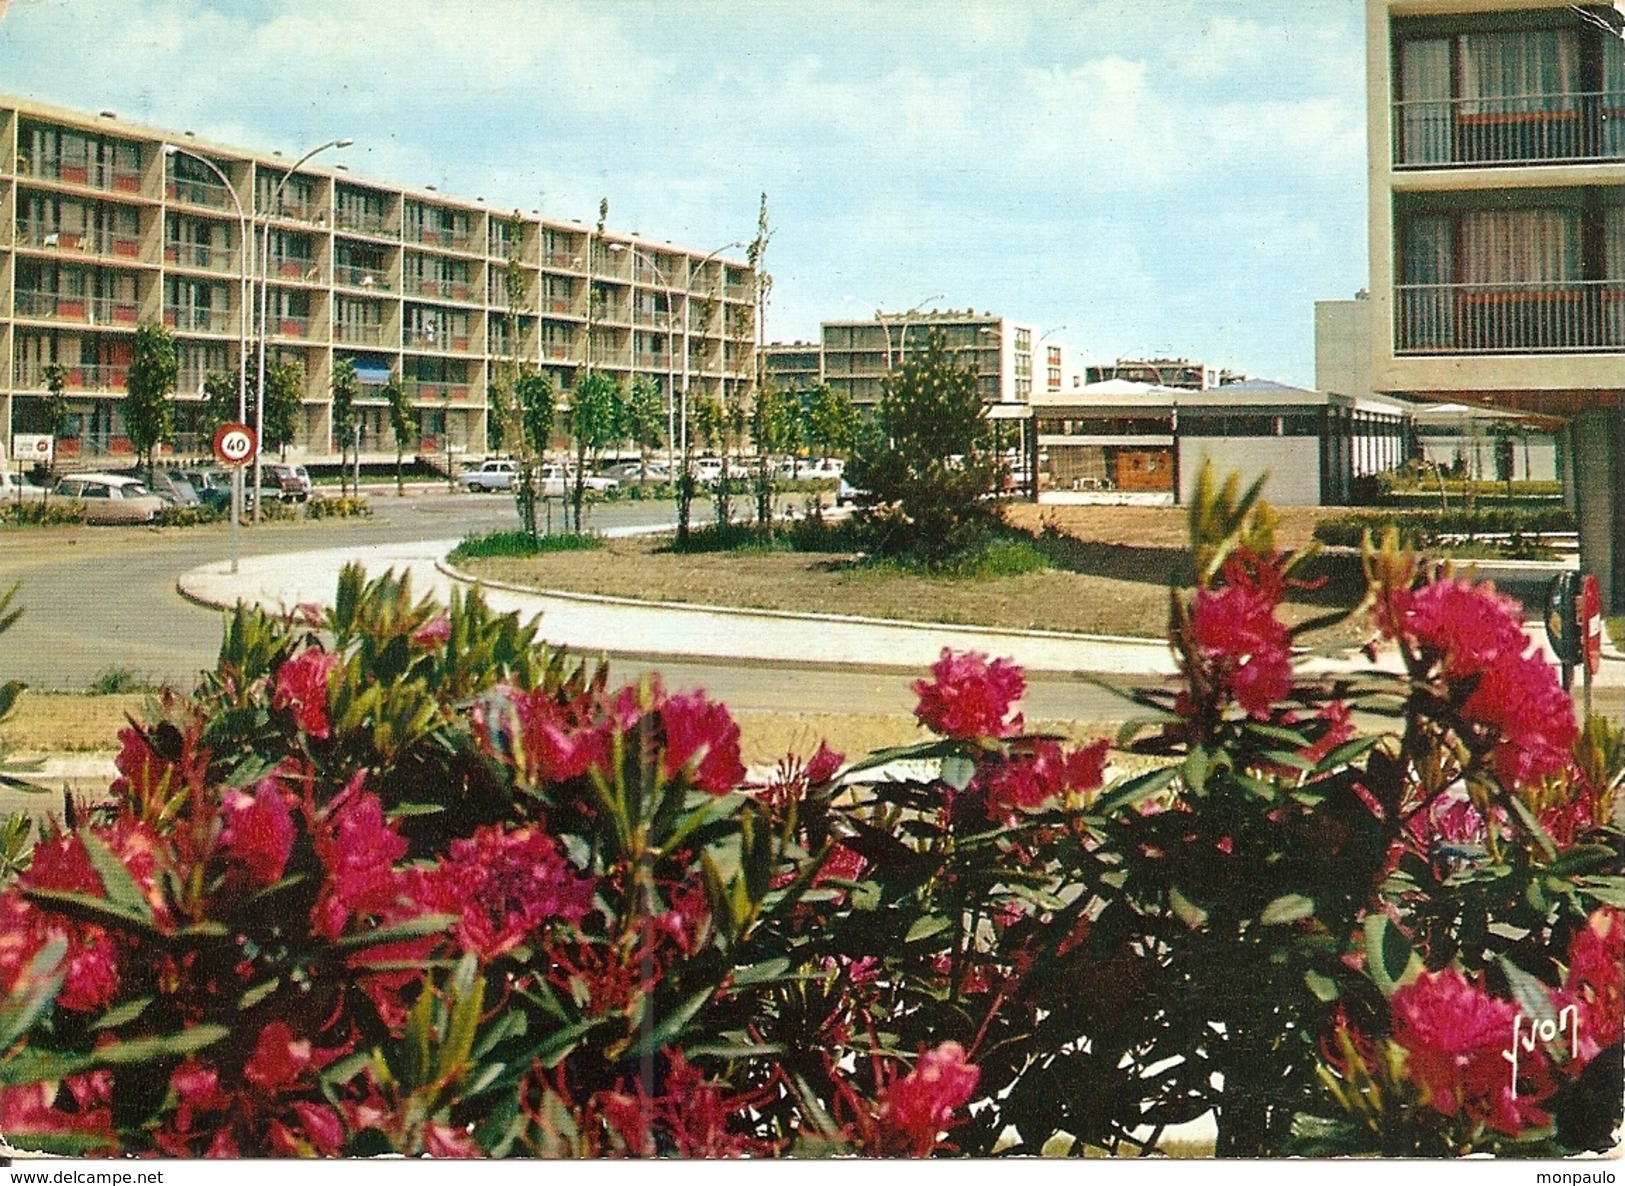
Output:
x=95 y=598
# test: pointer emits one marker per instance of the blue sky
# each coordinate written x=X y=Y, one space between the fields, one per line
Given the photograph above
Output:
x=1158 y=176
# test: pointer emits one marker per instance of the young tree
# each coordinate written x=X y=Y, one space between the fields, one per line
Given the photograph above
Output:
x=831 y=421
x=219 y=400
x=645 y=419
x=346 y=390
x=594 y=422
x=403 y=423
x=775 y=427
x=149 y=416
x=767 y=422
x=931 y=459
x=56 y=408
x=534 y=404
x=284 y=404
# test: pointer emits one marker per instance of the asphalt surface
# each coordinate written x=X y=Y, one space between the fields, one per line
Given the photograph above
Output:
x=101 y=598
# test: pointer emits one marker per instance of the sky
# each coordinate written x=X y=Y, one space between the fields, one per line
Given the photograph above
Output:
x=1132 y=177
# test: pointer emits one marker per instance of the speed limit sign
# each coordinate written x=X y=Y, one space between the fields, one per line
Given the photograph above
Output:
x=235 y=444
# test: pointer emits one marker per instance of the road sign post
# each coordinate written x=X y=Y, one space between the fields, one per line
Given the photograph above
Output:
x=236 y=445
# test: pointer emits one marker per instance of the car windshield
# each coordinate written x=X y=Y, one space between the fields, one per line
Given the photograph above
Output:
x=134 y=490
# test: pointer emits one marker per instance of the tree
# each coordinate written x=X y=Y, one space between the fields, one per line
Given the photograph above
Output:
x=775 y=427
x=930 y=462
x=56 y=407
x=346 y=390
x=402 y=423
x=534 y=403
x=219 y=401
x=149 y=416
x=596 y=411
x=645 y=419
x=831 y=421
x=284 y=404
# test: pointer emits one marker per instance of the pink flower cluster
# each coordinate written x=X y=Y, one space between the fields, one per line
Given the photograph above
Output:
x=1236 y=628
x=301 y=686
x=1472 y=638
x=1595 y=983
x=504 y=886
x=970 y=698
x=921 y=1105
x=1028 y=782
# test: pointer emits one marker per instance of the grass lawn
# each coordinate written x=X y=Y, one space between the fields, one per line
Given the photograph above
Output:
x=1111 y=574
x=65 y=722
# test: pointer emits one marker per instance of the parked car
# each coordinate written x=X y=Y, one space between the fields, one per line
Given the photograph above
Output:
x=555 y=481
x=111 y=498
x=174 y=488
x=213 y=487
x=18 y=486
x=707 y=469
x=633 y=471
x=292 y=482
x=816 y=469
x=846 y=494
x=493 y=475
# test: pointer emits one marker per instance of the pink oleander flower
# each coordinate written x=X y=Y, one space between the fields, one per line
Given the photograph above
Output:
x=504 y=886
x=1455 y=1037
x=703 y=739
x=921 y=1105
x=358 y=847
x=544 y=741
x=80 y=1106
x=301 y=685
x=280 y=1060
x=433 y=633
x=1473 y=638
x=1028 y=782
x=1595 y=983
x=1236 y=628
x=259 y=831
x=970 y=698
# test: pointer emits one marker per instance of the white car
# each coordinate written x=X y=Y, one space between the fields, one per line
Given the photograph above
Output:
x=17 y=487
x=109 y=498
x=554 y=481
x=491 y=476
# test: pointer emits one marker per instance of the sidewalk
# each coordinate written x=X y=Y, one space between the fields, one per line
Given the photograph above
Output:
x=654 y=630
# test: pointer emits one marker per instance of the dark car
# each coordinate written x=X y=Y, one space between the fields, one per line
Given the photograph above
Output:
x=213 y=487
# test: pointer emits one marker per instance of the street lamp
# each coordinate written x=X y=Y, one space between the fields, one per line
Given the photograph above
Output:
x=671 y=335
x=242 y=335
x=902 y=338
x=683 y=418
x=265 y=288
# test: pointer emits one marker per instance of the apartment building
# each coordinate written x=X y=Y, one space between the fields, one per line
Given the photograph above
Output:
x=105 y=224
x=792 y=366
x=1497 y=225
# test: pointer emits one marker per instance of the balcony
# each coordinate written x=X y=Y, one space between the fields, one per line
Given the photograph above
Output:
x=191 y=192
x=436 y=340
x=356 y=276
x=91 y=377
x=89 y=242
x=1565 y=317
x=1519 y=129
x=200 y=256
x=556 y=351
x=359 y=333
x=427 y=391
x=298 y=268
x=196 y=320
x=444 y=290
x=95 y=175
x=562 y=259
x=438 y=237
x=363 y=222
x=287 y=325
x=82 y=309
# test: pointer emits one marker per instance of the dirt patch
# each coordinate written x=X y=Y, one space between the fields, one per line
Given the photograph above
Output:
x=1156 y=527
x=1104 y=581
x=62 y=723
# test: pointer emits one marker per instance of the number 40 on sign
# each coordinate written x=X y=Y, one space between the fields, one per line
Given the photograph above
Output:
x=234 y=444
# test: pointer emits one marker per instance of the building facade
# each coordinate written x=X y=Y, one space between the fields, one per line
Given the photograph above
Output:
x=105 y=224
x=1497 y=225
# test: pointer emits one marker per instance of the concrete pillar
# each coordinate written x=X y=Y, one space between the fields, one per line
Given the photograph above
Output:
x=1597 y=462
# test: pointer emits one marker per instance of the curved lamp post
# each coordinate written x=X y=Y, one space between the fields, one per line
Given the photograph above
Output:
x=242 y=335
x=265 y=287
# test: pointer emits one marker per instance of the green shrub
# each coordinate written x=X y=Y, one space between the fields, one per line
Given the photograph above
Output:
x=997 y=556
x=276 y=511
x=1426 y=529
x=346 y=506
x=116 y=680
x=520 y=543
x=52 y=513
x=193 y=516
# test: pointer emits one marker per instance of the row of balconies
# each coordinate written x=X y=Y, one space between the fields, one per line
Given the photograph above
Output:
x=1572 y=127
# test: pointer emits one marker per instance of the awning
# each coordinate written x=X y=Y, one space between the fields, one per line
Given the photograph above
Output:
x=372 y=373
x=1003 y=411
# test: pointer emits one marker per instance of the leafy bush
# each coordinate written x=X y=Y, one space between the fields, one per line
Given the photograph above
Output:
x=55 y=512
x=347 y=506
x=522 y=543
x=193 y=516
x=1426 y=529
x=400 y=878
x=116 y=680
x=999 y=555
x=274 y=510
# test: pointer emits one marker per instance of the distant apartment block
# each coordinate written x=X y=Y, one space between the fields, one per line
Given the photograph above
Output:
x=1011 y=360
x=1497 y=225
x=102 y=228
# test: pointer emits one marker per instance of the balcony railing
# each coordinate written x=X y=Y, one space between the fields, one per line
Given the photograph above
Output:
x=93 y=174
x=562 y=259
x=439 y=340
x=288 y=325
x=88 y=310
x=91 y=242
x=200 y=255
x=558 y=351
x=193 y=192
x=359 y=333
x=1517 y=129
x=425 y=390
x=91 y=377
x=362 y=222
x=296 y=268
x=438 y=237
x=212 y=321
x=445 y=290
x=356 y=276
x=1572 y=316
